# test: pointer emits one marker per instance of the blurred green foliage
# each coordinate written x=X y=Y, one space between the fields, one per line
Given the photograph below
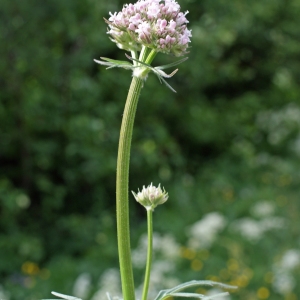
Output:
x=229 y=138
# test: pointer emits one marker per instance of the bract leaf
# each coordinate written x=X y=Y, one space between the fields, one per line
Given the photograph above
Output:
x=160 y=74
x=111 y=63
x=136 y=60
x=163 y=74
x=172 y=64
x=169 y=86
x=120 y=62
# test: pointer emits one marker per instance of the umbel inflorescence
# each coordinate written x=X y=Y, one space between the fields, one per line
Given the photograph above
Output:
x=155 y=24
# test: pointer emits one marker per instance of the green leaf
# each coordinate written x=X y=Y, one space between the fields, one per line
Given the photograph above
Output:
x=200 y=296
x=189 y=295
x=112 y=63
x=194 y=283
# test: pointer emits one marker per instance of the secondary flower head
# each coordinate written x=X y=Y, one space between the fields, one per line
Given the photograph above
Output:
x=151 y=196
x=156 y=24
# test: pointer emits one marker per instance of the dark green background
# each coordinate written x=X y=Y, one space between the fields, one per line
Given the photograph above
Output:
x=60 y=115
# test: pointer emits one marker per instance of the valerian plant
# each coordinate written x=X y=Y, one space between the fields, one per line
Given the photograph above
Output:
x=144 y=29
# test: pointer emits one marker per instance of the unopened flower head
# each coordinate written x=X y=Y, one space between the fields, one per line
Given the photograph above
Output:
x=151 y=196
x=156 y=24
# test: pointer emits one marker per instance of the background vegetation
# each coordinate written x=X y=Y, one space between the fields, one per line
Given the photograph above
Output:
x=227 y=143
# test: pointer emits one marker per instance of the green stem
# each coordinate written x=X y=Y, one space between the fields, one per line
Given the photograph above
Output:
x=134 y=55
x=122 y=189
x=150 y=57
x=122 y=179
x=143 y=54
x=147 y=55
x=149 y=254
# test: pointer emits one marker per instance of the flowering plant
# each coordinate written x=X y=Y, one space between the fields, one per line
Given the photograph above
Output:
x=148 y=27
x=156 y=24
x=151 y=196
x=144 y=29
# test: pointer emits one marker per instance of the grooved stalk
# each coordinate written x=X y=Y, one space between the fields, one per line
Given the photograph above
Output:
x=122 y=189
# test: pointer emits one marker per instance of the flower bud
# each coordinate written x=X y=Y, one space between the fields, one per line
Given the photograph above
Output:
x=151 y=196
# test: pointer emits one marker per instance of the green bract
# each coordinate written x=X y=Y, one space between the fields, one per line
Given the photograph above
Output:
x=141 y=69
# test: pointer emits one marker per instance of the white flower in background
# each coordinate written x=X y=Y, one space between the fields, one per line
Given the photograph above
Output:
x=169 y=247
x=160 y=278
x=159 y=268
x=272 y=223
x=248 y=228
x=165 y=251
x=253 y=230
x=204 y=232
x=283 y=282
x=109 y=282
x=290 y=259
x=163 y=245
x=263 y=209
x=279 y=124
x=139 y=254
x=82 y=285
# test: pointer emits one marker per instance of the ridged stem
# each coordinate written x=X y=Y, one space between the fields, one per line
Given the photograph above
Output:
x=122 y=189
x=123 y=229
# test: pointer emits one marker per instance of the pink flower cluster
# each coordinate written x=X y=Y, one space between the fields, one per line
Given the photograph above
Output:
x=156 y=24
